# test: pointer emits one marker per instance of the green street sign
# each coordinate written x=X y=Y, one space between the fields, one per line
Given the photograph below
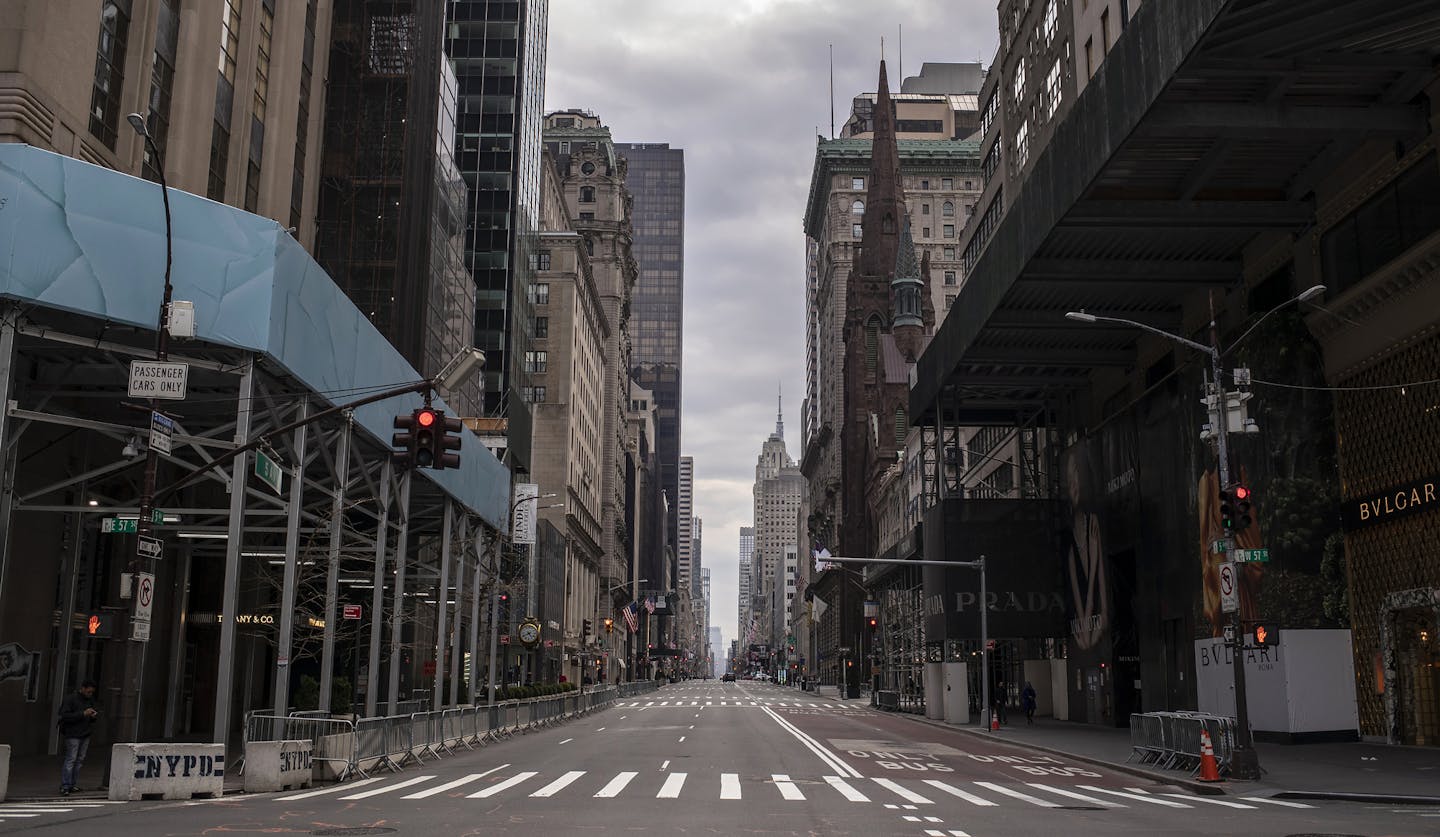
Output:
x=268 y=471
x=116 y=526
x=1252 y=555
x=1218 y=547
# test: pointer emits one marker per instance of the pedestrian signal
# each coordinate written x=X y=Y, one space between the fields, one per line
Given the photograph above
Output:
x=100 y=625
x=1264 y=635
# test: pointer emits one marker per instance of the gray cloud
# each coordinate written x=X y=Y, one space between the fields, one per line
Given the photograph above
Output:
x=743 y=88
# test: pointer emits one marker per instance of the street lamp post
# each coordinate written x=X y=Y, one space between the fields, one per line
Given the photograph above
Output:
x=1245 y=763
x=128 y=721
x=495 y=587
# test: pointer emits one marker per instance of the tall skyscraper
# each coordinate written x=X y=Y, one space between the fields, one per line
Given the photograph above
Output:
x=498 y=50
x=656 y=180
x=779 y=496
x=747 y=551
x=684 y=512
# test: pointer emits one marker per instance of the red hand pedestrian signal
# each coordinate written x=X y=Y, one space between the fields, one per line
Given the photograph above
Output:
x=1260 y=635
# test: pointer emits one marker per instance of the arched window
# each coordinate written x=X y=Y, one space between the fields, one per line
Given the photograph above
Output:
x=857 y=208
x=587 y=194
x=872 y=343
x=948 y=209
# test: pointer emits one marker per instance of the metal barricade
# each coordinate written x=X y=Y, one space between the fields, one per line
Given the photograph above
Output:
x=333 y=739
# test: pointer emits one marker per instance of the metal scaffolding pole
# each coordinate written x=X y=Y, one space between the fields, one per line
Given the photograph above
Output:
x=292 y=551
x=442 y=604
x=455 y=635
x=377 y=595
x=397 y=612
x=235 y=533
x=475 y=616
x=332 y=572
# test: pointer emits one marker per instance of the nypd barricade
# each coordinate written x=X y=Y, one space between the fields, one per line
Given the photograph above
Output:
x=166 y=771
x=278 y=765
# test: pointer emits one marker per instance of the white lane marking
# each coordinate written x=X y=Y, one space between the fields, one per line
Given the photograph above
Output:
x=503 y=786
x=1024 y=797
x=7 y=811
x=1268 y=801
x=1152 y=800
x=623 y=717
x=388 y=788
x=729 y=785
x=667 y=703
x=1080 y=796
x=907 y=795
x=602 y=729
x=834 y=761
x=672 y=786
x=641 y=709
x=665 y=765
x=955 y=832
x=692 y=726
x=787 y=788
x=848 y=792
x=567 y=741
x=463 y=780
x=682 y=740
x=932 y=832
x=965 y=795
x=23 y=815
x=559 y=784
x=616 y=785
x=337 y=789
x=1209 y=800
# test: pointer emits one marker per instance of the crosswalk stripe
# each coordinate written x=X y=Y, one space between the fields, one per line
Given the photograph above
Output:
x=463 y=780
x=965 y=795
x=933 y=832
x=1268 y=801
x=505 y=785
x=729 y=785
x=22 y=815
x=1080 y=796
x=848 y=792
x=908 y=796
x=1152 y=800
x=787 y=788
x=671 y=789
x=324 y=791
x=1209 y=800
x=559 y=784
x=616 y=785
x=1023 y=797
x=11 y=812
x=388 y=788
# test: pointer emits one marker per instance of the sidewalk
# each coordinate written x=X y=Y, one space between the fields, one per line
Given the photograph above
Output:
x=37 y=778
x=1365 y=772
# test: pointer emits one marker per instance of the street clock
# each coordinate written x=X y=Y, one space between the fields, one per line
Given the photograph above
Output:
x=530 y=633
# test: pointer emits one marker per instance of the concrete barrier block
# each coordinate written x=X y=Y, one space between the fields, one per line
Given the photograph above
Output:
x=4 y=770
x=278 y=765
x=166 y=771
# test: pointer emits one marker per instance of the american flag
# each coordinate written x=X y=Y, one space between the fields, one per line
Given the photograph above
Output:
x=649 y=604
x=631 y=612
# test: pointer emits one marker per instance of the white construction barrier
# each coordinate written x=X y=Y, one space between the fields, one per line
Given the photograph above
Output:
x=166 y=771
x=278 y=765
x=4 y=770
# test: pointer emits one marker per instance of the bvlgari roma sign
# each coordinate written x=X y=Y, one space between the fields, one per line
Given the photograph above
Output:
x=1383 y=506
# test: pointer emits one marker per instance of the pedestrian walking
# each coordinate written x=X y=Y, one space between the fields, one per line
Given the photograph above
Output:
x=1027 y=702
x=77 y=721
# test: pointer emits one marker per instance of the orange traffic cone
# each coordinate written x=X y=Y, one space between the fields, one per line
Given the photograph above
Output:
x=1209 y=770
x=994 y=721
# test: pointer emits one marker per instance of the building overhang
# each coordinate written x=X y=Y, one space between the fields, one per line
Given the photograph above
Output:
x=1208 y=125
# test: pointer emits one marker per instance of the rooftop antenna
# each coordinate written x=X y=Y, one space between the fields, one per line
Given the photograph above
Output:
x=832 y=92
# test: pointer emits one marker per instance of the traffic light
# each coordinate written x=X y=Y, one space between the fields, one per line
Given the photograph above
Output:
x=1227 y=510
x=404 y=443
x=427 y=433
x=872 y=622
x=448 y=440
x=609 y=625
x=1264 y=635
x=1242 y=515
x=585 y=628
x=100 y=626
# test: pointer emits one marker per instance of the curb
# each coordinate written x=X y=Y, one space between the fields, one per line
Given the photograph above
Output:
x=1199 y=788
x=1347 y=796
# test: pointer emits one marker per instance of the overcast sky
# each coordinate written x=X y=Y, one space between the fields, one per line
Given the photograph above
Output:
x=743 y=88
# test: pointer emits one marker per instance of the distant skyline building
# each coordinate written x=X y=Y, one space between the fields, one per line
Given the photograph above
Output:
x=779 y=497
x=747 y=551
x=684 y=511
x=656 y=181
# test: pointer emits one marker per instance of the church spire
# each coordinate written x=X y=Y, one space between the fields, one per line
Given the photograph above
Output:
x=885 y=197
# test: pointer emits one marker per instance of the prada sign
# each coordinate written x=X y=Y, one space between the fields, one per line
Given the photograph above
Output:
x=1384 y=506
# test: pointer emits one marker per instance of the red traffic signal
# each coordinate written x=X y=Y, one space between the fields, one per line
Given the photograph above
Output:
x=429 y=436
x=425 y=421
x=873 y=622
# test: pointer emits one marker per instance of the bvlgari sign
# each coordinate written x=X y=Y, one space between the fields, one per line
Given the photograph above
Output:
x=1383 y=506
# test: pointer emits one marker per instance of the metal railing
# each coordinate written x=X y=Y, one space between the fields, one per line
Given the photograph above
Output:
x=391 y=742
x=1171 y=740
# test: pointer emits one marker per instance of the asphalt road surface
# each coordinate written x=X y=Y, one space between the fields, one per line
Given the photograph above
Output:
x=711 y=758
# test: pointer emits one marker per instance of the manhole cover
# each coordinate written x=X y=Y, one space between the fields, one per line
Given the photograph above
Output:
x=354 y=832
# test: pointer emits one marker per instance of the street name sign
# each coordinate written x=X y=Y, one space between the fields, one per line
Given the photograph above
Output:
x=162 y=432
x=1229 y=594
x=158 y=379
x=149 y=546
x=119 y=526
x=269 y=473
x=1218 y=547
x=1252 y=555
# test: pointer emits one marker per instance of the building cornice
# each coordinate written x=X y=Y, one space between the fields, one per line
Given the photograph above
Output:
x=843 y=156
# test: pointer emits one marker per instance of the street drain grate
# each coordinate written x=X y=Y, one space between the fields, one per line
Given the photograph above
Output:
x=358 y=831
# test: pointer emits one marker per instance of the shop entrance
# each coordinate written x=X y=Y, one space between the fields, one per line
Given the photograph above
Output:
x=1417 y=677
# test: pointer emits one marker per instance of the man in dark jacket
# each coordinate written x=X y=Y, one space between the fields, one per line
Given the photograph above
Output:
x=77 y=719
